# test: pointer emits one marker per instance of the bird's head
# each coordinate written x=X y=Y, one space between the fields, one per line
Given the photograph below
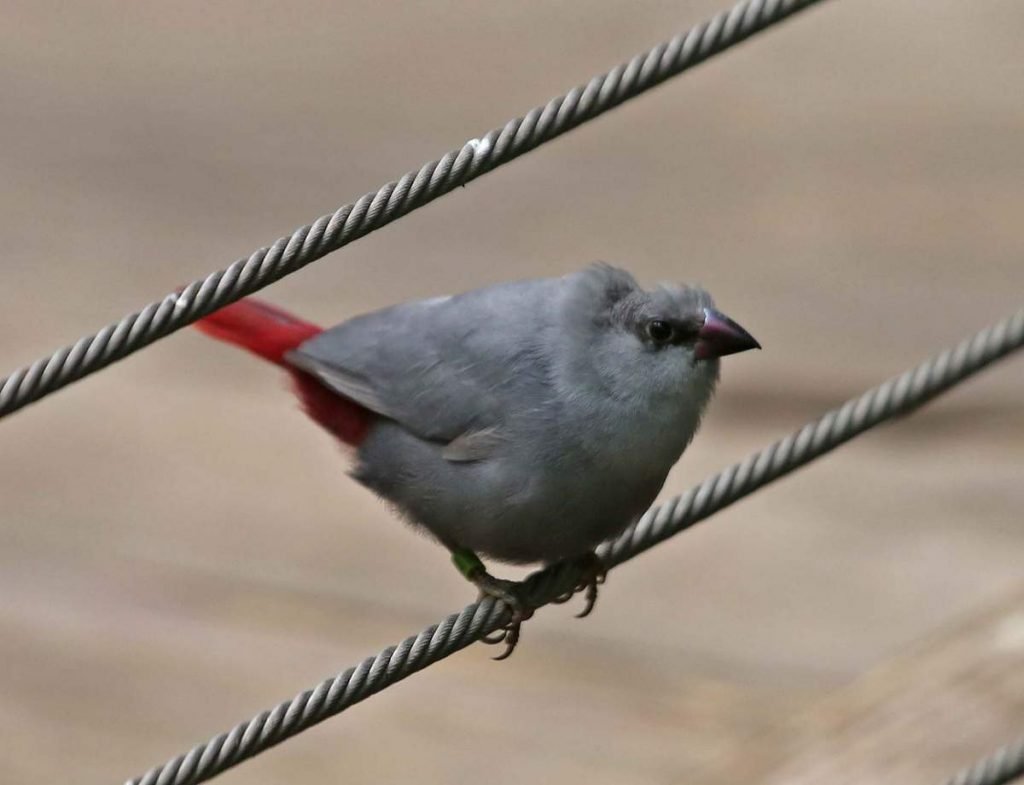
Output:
x=662 y=343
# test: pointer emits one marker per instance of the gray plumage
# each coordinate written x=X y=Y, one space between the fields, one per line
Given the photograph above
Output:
x=526 y=421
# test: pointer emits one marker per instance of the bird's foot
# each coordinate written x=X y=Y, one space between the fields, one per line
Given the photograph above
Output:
x=508 y=592
x=592 y=574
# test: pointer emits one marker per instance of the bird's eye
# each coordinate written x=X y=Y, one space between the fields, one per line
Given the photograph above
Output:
x=659 y=331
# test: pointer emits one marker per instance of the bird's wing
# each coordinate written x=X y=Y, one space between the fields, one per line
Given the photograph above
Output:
x=473 y=445
x=451 y=370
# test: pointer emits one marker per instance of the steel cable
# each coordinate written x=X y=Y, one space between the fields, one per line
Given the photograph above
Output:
x=1001 y=767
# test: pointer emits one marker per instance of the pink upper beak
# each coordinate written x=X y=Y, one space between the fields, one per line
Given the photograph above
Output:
x=720 y=336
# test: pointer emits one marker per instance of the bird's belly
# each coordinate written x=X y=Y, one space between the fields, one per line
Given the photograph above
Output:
x=549 y=516
x=585 y=493
x=520 y=508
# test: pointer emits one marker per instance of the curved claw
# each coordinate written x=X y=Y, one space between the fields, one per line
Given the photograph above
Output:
x=510 y=636
x=494 y=638
x=590 y=600
x=508 y=593
x=594 y=574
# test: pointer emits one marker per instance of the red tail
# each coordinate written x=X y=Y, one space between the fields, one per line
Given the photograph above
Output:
x=261 y=328
x=271 y=333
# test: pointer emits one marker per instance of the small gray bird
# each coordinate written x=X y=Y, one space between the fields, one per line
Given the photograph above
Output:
x=527 y=421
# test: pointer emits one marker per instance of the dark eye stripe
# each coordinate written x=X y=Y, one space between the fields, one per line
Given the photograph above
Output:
x=672 y=331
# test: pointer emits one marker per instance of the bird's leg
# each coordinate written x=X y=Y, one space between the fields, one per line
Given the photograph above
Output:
x=592 y=574
x=473 y=570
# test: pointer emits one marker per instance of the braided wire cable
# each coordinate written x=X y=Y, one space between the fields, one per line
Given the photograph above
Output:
x=1004 y=765
x=392 y=201
x=895 y=397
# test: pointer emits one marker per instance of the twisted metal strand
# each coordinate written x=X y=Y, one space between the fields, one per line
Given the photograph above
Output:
x=895 y=397
x=1004 y=765
x=393 y=200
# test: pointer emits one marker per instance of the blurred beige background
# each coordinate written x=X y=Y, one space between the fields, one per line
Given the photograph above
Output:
x=179 y=548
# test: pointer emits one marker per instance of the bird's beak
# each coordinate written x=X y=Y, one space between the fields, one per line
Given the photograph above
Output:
x=720 y=336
